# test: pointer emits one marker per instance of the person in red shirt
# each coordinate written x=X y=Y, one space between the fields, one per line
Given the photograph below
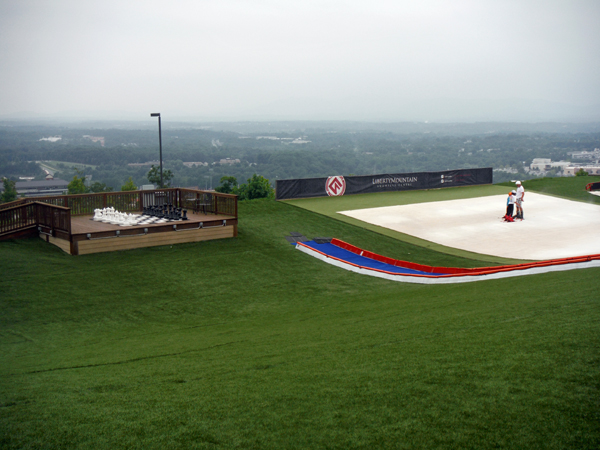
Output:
x=510 y=203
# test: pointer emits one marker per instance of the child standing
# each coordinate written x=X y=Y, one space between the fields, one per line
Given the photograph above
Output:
x=510 y=203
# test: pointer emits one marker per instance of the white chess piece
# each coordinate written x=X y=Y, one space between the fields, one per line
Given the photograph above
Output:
x=135 y=218
x=115 y=218
x=126 y=220
x=106 y=215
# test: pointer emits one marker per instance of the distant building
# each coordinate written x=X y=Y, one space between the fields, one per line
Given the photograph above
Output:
x=544 y=164
x=591 y=169
x=229 y=161
x=95 y=139
x=195 y=163
x=51 y=138
x=147 y=163
x=587 y=155
x=506 y=170
x=42 y=188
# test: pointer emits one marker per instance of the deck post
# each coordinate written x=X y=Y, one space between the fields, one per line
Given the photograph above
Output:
x=69 y=224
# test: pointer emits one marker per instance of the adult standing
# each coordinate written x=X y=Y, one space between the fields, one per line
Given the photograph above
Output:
x=520 y=199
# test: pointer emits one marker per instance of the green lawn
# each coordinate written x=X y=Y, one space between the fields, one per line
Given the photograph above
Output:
x=248 y=343
x=572 y=188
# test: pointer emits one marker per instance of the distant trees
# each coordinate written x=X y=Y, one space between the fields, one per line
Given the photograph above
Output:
x=77 y=185
x=11 y=168
x=228 y=185
x=257 y=187
x=581 y=173
x=329 y=149
x=154 y=177
x=100 y=187
x=10 y=193
x=129 y=185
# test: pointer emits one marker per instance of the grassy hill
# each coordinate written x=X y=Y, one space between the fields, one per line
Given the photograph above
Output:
x=572 y=188
x=248 y=343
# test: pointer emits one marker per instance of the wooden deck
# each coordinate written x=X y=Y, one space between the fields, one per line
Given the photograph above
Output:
x=89 y=236
x=85 y=224
x=66 y=220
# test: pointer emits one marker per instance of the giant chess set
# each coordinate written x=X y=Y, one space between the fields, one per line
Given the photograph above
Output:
x=151 y=215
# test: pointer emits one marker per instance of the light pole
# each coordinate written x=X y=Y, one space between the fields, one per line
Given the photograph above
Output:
x=160 y=145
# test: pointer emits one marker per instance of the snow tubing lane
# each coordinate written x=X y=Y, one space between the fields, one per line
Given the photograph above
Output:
x=349 y=257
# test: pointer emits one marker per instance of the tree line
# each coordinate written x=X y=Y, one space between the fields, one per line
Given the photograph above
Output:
x=291 y=153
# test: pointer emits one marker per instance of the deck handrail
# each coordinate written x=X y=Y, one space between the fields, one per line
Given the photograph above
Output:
x=17 y=202
x=17 y=218
x=130 y=201
x=56 y=218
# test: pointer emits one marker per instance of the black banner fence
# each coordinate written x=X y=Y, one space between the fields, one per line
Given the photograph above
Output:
x=340 y=185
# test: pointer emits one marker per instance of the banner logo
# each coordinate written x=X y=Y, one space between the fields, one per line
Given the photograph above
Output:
x=335 y=186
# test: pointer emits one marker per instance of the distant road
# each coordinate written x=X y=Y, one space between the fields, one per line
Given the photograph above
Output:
x=46 y=168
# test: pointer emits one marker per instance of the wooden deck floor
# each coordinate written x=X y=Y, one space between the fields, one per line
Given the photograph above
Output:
x=85 y=224
x=88 y=236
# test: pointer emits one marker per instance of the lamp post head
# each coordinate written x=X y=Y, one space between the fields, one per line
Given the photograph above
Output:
x=154 y=114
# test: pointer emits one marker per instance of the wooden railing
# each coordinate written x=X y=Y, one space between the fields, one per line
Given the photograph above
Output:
x=159 y=197
x=17 y=218
x=131 y=201
x=56 y=219
x=208 y=202
x=30 y=215
x=18 y=202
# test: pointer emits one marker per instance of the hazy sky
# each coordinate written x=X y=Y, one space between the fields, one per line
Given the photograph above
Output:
x=369 y=59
